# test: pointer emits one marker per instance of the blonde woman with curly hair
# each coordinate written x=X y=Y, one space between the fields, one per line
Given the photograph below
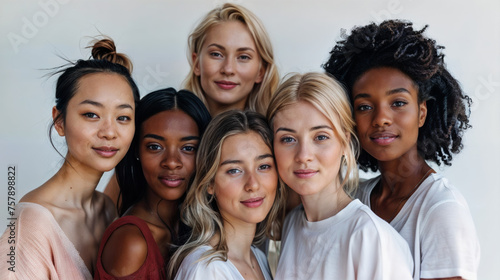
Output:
x=232 y=61
x=235 y=202
x=330 y=235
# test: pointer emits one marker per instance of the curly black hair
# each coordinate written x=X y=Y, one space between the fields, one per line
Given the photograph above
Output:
x=394 y=43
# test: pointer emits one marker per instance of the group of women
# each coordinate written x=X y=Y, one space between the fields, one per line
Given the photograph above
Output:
x=208 y=173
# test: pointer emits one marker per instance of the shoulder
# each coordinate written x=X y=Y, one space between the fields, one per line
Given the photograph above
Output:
x=366 y=224
x=365 y=188
x=195 y=267
x=125 y=250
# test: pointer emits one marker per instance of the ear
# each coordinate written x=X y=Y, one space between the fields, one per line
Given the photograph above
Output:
x=260 y=77
x=210 y=189
x=58 y=123
x=422 y=108
x=196 y=64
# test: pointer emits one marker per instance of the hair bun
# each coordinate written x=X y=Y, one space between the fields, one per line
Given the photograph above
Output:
x=105 y=49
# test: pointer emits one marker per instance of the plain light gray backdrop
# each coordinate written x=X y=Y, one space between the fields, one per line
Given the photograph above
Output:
x=154 y=35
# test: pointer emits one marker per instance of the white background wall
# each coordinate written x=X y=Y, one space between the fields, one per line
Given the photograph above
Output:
x=154 y=35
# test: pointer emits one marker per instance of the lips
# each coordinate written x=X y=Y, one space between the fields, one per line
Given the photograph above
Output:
x=305 y=173
x=383 y=138
x=172 y=181
x=226 y=85
x=105 y=151
x=253 y=202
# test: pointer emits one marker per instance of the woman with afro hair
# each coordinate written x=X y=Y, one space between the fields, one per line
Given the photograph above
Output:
x=409 y=110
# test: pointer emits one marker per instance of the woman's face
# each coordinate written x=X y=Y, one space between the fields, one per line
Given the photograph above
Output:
x=307 y=150
x=228 y=65
x=167 y=151
x=387 y=113
x=246 y=180
x=99 y=122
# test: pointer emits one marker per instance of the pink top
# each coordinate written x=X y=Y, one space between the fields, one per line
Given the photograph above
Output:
x=154 y=265
x=40 y=247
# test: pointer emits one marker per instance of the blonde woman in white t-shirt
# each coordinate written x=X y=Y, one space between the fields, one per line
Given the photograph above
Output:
x=330 y=235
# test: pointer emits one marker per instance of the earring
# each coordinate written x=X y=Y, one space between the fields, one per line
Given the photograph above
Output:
x=137 y=158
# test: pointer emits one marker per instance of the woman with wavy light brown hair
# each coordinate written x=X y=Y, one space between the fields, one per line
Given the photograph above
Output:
x=59 y=225
x=235 y=201
x=232 y=61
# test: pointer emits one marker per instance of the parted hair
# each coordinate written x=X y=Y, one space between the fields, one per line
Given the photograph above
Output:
x=261 y=93
x=328 y=97
x=200 y=210
x=396 y=44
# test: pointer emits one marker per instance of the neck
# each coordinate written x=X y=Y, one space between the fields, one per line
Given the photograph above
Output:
x=403 y=173
x=160 y=211
x=216 y=108
x=323 y=205
x=239 y=238
x=75 y=184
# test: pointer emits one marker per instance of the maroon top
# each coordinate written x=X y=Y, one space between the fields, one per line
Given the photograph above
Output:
x=154 y=265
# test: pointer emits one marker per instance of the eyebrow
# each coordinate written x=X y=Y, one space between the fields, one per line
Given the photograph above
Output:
x=161 y=138
x=239 y=49
x=100 y=105
x=261 y=157
x=390 y=92
x=312 y=128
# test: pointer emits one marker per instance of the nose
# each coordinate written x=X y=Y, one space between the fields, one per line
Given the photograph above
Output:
x=252 y=182
x=171 y=159
x=107 y=129
x=381 y=117
x=304 y=153
x=228 y=66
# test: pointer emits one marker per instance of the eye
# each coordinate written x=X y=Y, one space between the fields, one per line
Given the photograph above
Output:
x=233 y=171
x=322 y=137
x=90 y=115
x=153 y=147
x=124 y=118
x=245 y=57
x=265 y=167
x=189 y=149
x=364 y=107
x=216 y=54
x=399 y=103
x=287 y=139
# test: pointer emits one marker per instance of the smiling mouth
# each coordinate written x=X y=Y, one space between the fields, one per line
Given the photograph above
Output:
x=384 y=140
x=106 y=151
x=172 y=182
x=253 y=202
x=305 y=174
x=226 y=85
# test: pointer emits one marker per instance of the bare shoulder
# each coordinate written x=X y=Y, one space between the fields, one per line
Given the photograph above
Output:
x=125 y=251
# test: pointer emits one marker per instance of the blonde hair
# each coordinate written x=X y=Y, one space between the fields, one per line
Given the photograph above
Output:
x=330 y=98
x=259 y=97
x=200 y=210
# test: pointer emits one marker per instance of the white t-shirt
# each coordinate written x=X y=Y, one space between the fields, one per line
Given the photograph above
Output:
x=353 y=244
x=193 y=269
x=437 y=224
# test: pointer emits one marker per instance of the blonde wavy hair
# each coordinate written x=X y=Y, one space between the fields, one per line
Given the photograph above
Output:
x=330 y=98
x=200 y=210
x=259 y=97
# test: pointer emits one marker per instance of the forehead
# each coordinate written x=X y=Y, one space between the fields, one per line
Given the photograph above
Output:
x=232 y=33
x=171 y=123
x=383 y=79
x=301 y=114
x=104 y=88
x=244 y=146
